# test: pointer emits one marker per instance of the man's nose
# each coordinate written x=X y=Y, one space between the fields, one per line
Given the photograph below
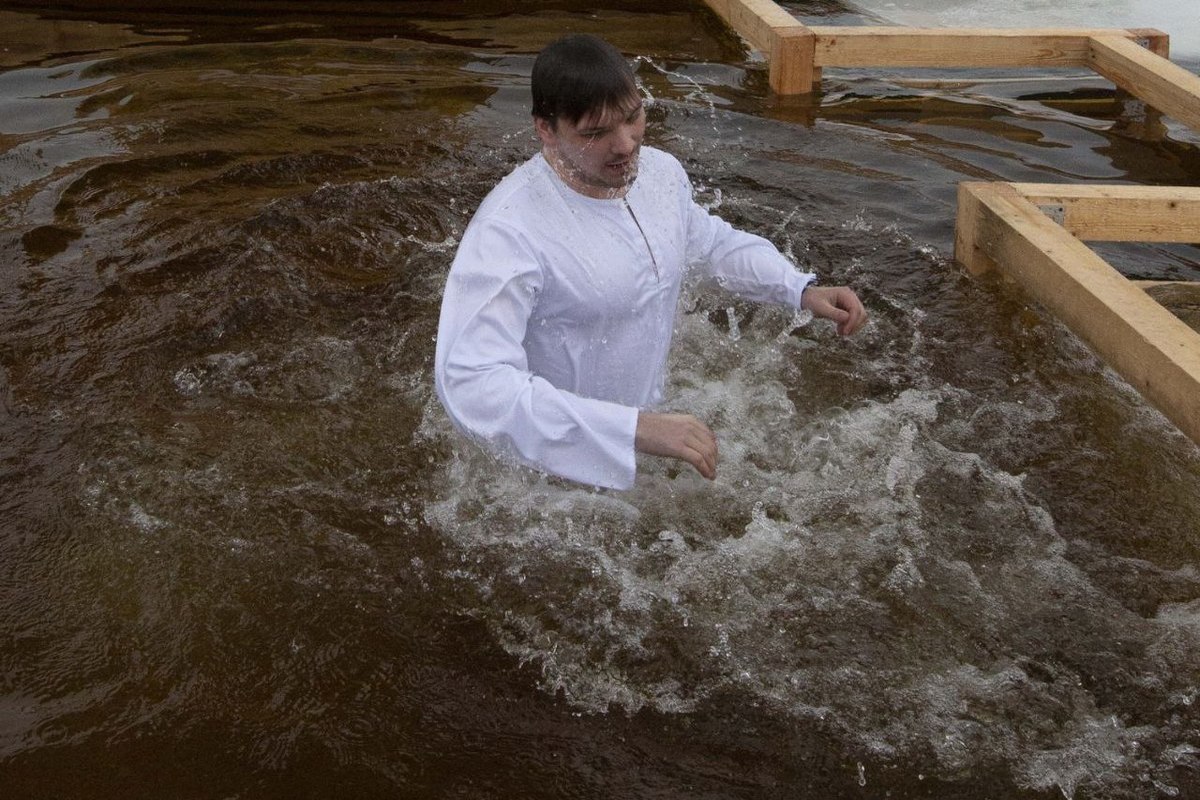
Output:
x=626 y=139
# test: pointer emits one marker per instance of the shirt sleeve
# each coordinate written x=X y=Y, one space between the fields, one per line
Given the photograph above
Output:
x=482 y=375
x=744 y=263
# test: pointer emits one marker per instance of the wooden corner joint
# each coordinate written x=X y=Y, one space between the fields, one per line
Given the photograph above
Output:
x=1152 y=39
x=792 y=60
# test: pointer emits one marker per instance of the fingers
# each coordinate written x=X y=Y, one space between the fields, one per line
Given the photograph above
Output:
x=701 y=450
x=853 y=315
x=680 y=436
x=698 y=446
x=838 y=304
x=857 y=314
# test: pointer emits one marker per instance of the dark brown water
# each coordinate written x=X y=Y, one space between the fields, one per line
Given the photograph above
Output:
x=242 y=554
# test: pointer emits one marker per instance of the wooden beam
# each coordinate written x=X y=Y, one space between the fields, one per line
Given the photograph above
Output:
x=755 y=20
x=792 y=69
x=1150 y=347
x=883 y=46
x=1133 y=59
x=1121 y=213
x=788 y=43
x=968 y=244
x=1166 y=86
x=1153 y=40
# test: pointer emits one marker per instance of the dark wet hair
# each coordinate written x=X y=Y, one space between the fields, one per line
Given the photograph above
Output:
x=577 y=74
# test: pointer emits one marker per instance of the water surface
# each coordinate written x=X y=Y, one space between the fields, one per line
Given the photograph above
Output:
x=244 y=555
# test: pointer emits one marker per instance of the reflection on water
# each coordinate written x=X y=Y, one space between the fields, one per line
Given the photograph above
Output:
x=953 y=557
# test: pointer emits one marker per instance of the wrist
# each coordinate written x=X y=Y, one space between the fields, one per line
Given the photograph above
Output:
x=804 y=295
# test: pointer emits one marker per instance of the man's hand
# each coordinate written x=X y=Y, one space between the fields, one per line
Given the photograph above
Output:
x=679 y=436
x=837 y=303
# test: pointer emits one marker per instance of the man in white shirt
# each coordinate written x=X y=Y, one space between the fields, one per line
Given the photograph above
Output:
x=560 y=304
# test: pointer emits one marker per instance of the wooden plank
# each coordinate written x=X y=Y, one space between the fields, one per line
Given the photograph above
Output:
x=968 y=249
x=757 y=21
x=1153 y=40
x=1166 y=86
x=1151 y=348
x=883 y=46
x=1122 y=213
x=791 y=62
x=797 y=53
x=1117 y=192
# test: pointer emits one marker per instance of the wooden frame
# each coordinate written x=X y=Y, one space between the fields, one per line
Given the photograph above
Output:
x=789 y=45
x=1029 y=232
x=1035 y=233
x=1134 y=59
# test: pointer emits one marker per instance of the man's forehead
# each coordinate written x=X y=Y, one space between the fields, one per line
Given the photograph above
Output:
x=606 y=115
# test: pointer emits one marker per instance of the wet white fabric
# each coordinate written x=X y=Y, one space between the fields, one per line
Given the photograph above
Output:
x=559 y=308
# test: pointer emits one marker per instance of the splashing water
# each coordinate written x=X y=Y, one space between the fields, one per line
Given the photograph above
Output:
x=850 y=569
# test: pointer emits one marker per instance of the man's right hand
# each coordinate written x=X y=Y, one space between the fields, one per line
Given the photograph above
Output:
x=679 y=436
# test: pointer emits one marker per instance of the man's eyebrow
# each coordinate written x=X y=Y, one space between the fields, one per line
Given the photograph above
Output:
x=595 y=129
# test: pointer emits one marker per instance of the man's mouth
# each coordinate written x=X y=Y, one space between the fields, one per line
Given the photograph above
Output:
x=624 y=166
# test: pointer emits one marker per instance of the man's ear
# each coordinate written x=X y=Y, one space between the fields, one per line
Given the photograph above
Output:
x=545 y=131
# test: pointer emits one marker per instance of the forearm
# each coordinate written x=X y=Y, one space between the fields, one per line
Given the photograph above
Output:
x=523 y=417
x=744 y=263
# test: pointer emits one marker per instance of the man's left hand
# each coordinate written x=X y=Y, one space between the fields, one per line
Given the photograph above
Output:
x=836 y=303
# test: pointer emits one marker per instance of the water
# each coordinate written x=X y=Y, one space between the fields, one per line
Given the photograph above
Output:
x=245 y=556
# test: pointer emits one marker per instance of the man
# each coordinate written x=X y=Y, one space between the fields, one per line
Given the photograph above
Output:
x=560 y=304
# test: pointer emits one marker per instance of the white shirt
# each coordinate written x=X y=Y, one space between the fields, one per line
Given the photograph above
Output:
x=559 y=308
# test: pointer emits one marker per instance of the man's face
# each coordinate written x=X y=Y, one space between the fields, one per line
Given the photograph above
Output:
x=597 y=155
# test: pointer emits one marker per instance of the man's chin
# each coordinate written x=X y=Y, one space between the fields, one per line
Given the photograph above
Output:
x=611 y=183
x=624 y=179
